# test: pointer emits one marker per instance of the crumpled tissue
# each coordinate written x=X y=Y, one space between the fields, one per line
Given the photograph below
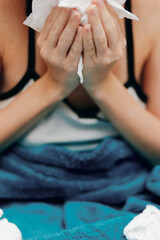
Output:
x=8 y=231
x=145 y=226
x=42 y=8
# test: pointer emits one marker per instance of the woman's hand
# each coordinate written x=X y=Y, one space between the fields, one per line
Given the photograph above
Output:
x=103 y=43
x=60 y=44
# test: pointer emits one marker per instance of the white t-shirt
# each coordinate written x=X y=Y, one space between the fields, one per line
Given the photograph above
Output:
x=64 y=127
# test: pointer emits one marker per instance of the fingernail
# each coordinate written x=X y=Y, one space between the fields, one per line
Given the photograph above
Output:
x=94 y=10
x=73 y=16
x=100 y=3
x=88 y=29
x=79 y=30
x=67 y=9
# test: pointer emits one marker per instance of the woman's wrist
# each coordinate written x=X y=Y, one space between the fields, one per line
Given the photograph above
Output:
x=98 y=90
x=53 y=91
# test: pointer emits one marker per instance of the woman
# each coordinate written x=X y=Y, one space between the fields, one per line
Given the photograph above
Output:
x=105 y=71
x=118 y=99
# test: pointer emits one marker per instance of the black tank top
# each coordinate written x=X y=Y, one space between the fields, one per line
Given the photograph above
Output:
x=89 y=112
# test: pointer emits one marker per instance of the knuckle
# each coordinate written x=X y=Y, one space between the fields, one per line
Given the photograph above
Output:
x=92 y=49
x=89 y=40
x=90 y=46
x=92 y=54
x=48 y=58
x=92 y=64
x=55 y=30
x=106 y=61
x=111 y=27
x=51 y=58
x=124 y=42
x=55 y=62
x=119 y=54
x=39 y=41
x=69 y=67
x=44 y=53
x=75 y=49
x=100 y=41
x=63 y=41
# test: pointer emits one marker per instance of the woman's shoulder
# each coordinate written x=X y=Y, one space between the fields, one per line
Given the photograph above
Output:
x=146 y=7
x=3 y=19
x=149 y=14
x=7 y=8
x=148 y=25
x=6 y=18
x=10 y=13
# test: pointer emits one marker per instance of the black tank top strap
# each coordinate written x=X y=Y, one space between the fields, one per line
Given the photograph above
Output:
x=31 y=56
x=130 y=54
x=30 y=72
x=31 y=49
x=28 y=7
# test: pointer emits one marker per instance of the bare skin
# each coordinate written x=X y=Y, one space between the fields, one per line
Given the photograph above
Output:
x=14 y=70
x=141 y=134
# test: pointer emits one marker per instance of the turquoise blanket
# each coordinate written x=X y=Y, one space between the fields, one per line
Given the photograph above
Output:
x=50 y=192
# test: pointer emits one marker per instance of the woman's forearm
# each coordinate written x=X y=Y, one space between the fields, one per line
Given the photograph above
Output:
x=27 y=109
x=137 y=125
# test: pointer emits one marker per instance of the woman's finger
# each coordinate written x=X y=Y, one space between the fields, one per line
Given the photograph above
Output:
x=67 y=37
x=120 y=31
x=58 y=27
x=108 y=23
x=48 y=24
x=49 y=21
x=98 y=31
x=88 y=42
x=76 y=49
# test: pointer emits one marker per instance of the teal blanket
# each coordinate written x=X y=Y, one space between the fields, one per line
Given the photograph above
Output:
x=50 y=192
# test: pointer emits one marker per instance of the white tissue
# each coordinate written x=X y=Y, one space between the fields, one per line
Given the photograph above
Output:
x=145 y=226
x=8 y=231
x=42 y=8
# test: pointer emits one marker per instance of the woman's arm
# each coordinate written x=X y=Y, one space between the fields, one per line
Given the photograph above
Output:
x=26 y=109
x=59 y=81
x=151 y=78
x=141 y=127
